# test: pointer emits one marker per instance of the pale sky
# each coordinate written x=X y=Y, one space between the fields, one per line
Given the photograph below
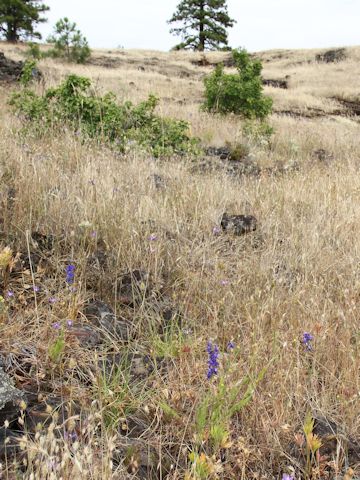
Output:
x=261 y=24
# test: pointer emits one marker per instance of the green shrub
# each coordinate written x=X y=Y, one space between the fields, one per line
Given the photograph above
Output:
x=75 y=104
x=33 y=51
x=69 y=43
x=29 y=72
x=240 y=93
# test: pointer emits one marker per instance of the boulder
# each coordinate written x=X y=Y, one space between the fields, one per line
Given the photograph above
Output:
x=332 y=56
x=9 y=69
x=103 y=318
x=238 y=224
x=10 y=397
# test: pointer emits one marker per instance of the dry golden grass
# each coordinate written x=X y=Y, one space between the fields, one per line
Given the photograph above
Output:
x=299 y=272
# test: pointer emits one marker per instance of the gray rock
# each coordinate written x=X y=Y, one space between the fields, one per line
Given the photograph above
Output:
x=332 y=56
x=102 y=317
x=10 y=396
x=238 y=224
x=9 y=70
x=133 y=287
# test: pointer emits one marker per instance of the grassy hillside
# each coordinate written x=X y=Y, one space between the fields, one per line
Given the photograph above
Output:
x=125 y=394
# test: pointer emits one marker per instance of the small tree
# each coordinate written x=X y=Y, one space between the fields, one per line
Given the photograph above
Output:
x=18 y=18
x=240 y=93
x=69 y=42
x=204 y=24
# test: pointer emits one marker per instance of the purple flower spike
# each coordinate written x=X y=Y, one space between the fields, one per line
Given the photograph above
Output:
x=36 y=289
x=306 y=341
x=153 y=237
x=69 y=323
x=70 y=273
x=287 y=477
x=9 y=294
x=231 y=346
x=56 y=326
x=213 y=361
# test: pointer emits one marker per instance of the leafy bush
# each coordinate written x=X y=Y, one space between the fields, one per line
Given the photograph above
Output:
x=29 y=72
x=75 y=104
x=69 y=43
x=33 y=51
x=240 y=93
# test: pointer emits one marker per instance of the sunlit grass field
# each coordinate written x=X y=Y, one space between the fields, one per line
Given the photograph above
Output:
x=141 y=404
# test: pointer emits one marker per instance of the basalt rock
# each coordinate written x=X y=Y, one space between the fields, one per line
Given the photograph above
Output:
x=132 y=287
x=10 y=397
x=9 y=69
x=238 y=224
x=332 y=56
x=107 y=323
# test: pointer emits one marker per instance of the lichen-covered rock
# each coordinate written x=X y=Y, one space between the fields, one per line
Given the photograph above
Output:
x=10 y=396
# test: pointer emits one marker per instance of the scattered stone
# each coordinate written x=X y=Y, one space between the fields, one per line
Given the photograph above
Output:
x=275 y=83
x=334 y=439
x=133 y=287
x=141 y=68
x=42 y=241
x=222 y=152
x=10 y=397
x=238 y=224
x=159 y=181
x=9 y=69
x=86 y=335
x=352 y=106
x=139 y=458
x=323 y=156
x=104 y=319
x=332 y=56
x=136 y=366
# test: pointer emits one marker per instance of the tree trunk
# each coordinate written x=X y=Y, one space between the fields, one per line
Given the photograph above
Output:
x=11 y=33
x=201 y=47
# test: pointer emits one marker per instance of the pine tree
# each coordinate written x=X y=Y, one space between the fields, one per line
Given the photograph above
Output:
x=204 y=24
x=19 y=17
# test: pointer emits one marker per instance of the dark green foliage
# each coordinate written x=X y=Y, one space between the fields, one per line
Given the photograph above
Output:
x=18 y=18
x=28 y=72
x=69 y=43
x=75 y=104
x=204 y=24
x=240 y=93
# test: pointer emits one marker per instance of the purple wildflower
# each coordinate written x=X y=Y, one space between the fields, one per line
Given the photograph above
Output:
x=56 y=326
x=213 y=362
x=306 y=341
x=92 y=182
x=69 y=323
x=224 y=282
x=9 y=294
x=231 y=346
x=70 y=436
x=153 y=237
x=36 y=289
x=216 y=231
x=52 y=300
x=287 y=477
x=70 y=273
x=93 y=234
